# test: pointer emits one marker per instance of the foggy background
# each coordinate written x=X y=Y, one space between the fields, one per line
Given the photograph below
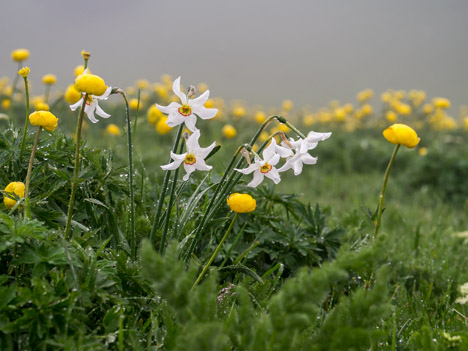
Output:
x=261 y=51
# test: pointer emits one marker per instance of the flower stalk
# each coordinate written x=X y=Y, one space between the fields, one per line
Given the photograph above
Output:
x=76 y=169
x=215 y=253
x=382 y=193
x=25 y=131
x=27 y=208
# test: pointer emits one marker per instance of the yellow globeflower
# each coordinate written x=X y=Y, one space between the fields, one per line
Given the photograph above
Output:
x=162 y=127
x=91 y=84
x=391 y=116
x=13 y=188
x=401 y=134
x=422 y=151
x=238 y=112
x=241 y=203
x=349 y=108
x=386 y=97
x=229 y=131
x=440 y=102
x=263 y=136
x=72 y=96
x=133 y=104
x=209 y=103
x=367 y=110
x=202 y=87
x=427 y=109
x=340 y=113
x=154 y=114
x=113 y=129
x=142 y=84
x=365 y=95
x=19 y=55
x=79 y=70
x=260 y=117
x=41 y=106
x=403 y=109
x=45 y=119
x=23 y=72
x=49 y=79
x=287 y=105
x=6 y=104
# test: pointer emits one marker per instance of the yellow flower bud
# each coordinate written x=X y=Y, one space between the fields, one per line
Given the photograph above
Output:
x=428 y=108
x=238 y=112
x=260 y=117
x=391 y=116
x=79 y=70
x=202 y=87
x=45 y=119
x=49 y=79
x=91 y=84
x=209 y=103
x=403 y=109
x=133 y=104
x=142 y=84
x=15 y=188
x=422 y=151
x=19 y=55
x=263 y=136
x=340 y=113
x=401 y=134
x=365 y=95
x=162 y=127
x=241 y=203
x=72 y=96
x=154 y=114
x=367 y=110
x=287 y=105
x=85 y=55
x=113 y=129
x=23 y=72
x=229 y=131
x=442 y=103
x=6 y=104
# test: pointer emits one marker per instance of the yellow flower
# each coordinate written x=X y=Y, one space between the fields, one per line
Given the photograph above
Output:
x=202 y=87
x=79 y=70
x=113 y=129
x=442 y=103
x=340 y=113
x=401 y=134
x=133 y=104
x=422 y=151
x=6 y=104
x=391 y=116
x=229 y=131
x=72 y=96
x=161 y=90
x=162 y=127
x=85 y=55
x=287 y=105
x=15 y=188
x=365 y=95
x=241 y=203
x=367 y=109
x=19 y=55
x=49 y=79
x=90 y=84
x=263 y=136
x=23 y=72
x=209 y=103
x=142 y=84
x=154 y=114
x=465 y=122
x=427 y=109
x=260 y=117
x=349 y=108
x=238 y=112
x=41 y=106
x=44 y=119
x=386 y=97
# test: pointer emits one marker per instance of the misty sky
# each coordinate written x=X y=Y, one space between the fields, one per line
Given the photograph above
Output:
x=262 y=51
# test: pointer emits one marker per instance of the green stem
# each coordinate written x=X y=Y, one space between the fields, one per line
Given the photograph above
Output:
x=162 y=247
x=164 y=187
x=130 y=177
x=13 y=91
x=136 y=113
x=215 y=253
x=27 y=117
x=76 y=169
x=27 y=209
x=47 y=93
x=293 y=128
x=384 y=187
x=245 y=253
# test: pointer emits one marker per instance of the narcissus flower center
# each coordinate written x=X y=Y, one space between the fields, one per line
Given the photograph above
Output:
x=266 y=168
x=190 y=159
x=185 y=110
x=89 y=100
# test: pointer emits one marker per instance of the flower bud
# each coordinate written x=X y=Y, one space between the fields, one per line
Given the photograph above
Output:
x=191 y=91
x=85 y=55
x=401 y=134
x=15 y=188
x=20 y=55
x=241 y=203
x=23 y=72
x=44 y=119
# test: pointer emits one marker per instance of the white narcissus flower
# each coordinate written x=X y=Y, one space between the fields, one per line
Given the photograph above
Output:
x=301 y=156
x=264 y=168
x=189 y=110
x=92 y=105
x=193 y=159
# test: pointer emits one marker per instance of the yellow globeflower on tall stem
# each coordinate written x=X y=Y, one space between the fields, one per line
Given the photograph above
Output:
x=18 y=55
x=24 y=72
x=398 y=134
x=238 y=203
x=42 y=119
x=48 y=80
x=12 y=189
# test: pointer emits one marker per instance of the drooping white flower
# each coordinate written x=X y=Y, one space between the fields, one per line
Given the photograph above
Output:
x=193 y=159
x=300 y=156
x=264 y=168
x=92 y=105
x=189 y=110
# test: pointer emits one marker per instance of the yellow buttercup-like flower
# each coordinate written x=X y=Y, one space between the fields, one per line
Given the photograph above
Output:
x=442 y=103
x=23 y=72
x=80 y=70
x=19 y=55
x=90 y=84
x=72 y=96
x=401 y=134
x=229 y=131
x=44 y=119
x=260 y=117
x=41 y=106
x=162 y=127
x=391 y=116
x=14 y=188
x=133 y=104
x=287 y=105
x=6 y=104
x=49 y=79
x=241 y=203
x=113 y=129
x=154 y=114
